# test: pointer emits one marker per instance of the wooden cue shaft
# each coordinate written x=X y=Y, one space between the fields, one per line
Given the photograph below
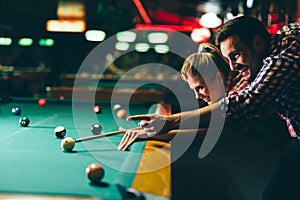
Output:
x=102 y=135
x=99 y=136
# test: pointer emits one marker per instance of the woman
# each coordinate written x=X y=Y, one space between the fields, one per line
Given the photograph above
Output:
x=206 y=73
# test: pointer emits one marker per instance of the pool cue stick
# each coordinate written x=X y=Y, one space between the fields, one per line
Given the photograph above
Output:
x=103 y=135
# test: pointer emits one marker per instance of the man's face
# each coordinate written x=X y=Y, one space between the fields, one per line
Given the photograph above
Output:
x=238 y=54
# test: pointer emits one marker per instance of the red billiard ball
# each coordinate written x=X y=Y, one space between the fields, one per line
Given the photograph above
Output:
x=42 y=102
x=60 y=132
x=97 y=109
x=24 y=121
x=95 y=172
x=16 y=111
x=121 y=113
x=96 y=129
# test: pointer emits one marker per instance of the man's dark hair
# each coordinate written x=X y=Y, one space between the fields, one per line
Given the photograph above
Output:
x=245 y=27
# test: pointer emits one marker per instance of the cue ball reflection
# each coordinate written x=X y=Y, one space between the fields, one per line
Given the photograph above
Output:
x=94 y=172
x=67 y=144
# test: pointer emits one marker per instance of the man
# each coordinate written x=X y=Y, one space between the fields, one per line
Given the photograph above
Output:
x=275 y=87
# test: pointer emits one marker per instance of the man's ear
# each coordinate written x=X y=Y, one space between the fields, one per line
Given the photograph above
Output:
x=259 y=44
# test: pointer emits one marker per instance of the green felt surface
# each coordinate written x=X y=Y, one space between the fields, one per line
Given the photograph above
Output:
x=32 y=160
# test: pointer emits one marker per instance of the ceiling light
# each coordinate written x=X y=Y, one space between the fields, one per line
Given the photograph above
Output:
x=142 y=47
x=46 y=42
x=126 y=36
x=204 y=7
x=65 y=25
x=161 y=48
x=122 y=46
x=199 y=35
x=249 y=3
x=164 y=27
x=25 y=42
x=157 y=37
x=5 y=41
x=95 y=35
x=68 y=9
x=210 y=20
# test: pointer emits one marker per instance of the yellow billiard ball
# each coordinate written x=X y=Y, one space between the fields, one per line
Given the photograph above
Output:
x=67 y=144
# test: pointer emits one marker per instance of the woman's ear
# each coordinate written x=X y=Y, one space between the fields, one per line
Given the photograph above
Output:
x=220 y=77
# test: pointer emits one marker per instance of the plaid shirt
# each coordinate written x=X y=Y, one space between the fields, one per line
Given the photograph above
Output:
x=276 y=87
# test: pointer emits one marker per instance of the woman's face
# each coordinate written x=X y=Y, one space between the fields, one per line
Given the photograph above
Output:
x=201 y=88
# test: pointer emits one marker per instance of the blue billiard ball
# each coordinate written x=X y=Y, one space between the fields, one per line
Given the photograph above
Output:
x=24 y=121
x=16 y=111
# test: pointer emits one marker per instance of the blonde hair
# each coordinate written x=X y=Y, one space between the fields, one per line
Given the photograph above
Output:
x=208 y=60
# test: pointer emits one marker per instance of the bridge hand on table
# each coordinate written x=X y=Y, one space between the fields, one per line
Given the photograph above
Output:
x=130 y=137
x=154 y=124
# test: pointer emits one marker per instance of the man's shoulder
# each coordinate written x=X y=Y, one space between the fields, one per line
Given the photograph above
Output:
x=291 y=28
x=286 y=38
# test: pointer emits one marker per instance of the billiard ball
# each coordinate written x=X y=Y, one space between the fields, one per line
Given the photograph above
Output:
x=116 y=107
x=16 y=111
x=96 y=129
x=60 y=132
x=67 y=144
x=121 y=113
x=42 y=102
x=94 y=172
x=97 y=109
x=24 y=121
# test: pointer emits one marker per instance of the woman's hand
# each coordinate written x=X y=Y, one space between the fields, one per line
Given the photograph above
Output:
x=130 y=137
x=154 y=124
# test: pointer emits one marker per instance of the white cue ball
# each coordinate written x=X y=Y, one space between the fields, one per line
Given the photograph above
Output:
x=67 y=144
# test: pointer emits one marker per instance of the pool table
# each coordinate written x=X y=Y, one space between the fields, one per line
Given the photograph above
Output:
x=34 y=166
x=139 y=90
